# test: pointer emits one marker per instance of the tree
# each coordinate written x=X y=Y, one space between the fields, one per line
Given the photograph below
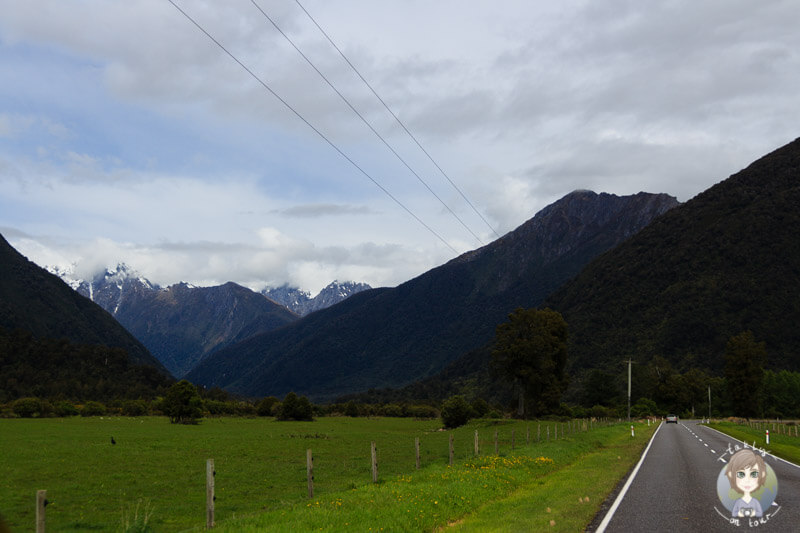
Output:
x=531 y=350
x=294 y=408
x=456 y=412
x=183 y=404
x=744 y=371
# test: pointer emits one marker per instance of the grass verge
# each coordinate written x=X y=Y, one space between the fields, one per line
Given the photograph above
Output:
x=780 y=445
x=563 y=481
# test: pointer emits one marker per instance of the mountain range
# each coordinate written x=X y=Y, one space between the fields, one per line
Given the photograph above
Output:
x=55 y=343
x=390 y=337
x=182 y=324
x=725 y=262
x=302 y=303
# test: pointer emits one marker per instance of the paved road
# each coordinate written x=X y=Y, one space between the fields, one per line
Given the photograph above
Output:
x=675 y=487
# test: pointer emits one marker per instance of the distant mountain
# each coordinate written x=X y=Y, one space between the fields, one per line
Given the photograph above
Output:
x=52 y=337
x=726 y=261
x=182 y=324
x=301 y=301
x=390 y=337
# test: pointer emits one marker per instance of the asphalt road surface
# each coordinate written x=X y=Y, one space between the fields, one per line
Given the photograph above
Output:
x=674 y=487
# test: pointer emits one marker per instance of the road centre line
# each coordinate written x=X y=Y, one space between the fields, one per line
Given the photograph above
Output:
x=621 y=495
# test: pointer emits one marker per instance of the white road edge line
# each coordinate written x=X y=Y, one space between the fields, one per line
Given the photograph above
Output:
x=743 y=442
x=621 y=495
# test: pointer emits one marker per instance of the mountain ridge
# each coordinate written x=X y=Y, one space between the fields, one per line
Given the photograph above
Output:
x=389 y=337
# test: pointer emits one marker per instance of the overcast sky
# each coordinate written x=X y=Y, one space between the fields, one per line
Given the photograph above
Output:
x=127 y=135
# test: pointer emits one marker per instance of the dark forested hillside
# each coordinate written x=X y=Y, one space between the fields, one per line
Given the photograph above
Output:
x=724 y=262
x=53 y=340
x=58 y=368
x=34 y=300
x=391 y=337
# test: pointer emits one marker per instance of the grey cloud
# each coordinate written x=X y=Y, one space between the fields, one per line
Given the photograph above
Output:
x=322 y=210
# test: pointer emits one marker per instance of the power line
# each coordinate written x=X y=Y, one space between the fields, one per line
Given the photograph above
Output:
x=400 y=122
x=364 y=120
x=318 y=132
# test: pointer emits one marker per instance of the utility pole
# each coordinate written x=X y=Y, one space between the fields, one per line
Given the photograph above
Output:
x=629 y=389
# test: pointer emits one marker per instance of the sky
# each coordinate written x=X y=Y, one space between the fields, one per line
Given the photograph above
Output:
x=128 y=135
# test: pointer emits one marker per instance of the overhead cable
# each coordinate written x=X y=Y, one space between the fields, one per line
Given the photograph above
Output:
x=400 y=122
x=310 y=125
x=364 y=120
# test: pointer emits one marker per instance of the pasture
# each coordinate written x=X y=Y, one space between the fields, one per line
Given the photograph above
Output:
x=157 y=470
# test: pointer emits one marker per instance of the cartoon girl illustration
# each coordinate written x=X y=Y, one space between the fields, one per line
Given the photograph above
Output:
x=746 y=473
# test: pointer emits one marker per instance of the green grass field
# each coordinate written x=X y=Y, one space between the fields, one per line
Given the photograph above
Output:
x=158 y=469
x=782 y=441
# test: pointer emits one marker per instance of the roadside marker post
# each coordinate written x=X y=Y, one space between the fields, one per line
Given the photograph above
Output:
x=767 y=436
x=632 y=430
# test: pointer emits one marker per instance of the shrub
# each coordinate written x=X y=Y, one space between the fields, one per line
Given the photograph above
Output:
x=27 y=407
x=294 y=408
x=265 y=406
x=351 y=409
x=134 y=408
x=422 y=411
x=93 y=409
x=393 y=410
x=456 y=412
x=244 y=409
x=65 y=408
x=598 y=411
x=480 y=407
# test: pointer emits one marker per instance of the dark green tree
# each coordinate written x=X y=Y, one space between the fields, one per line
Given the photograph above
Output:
x=183 y=404
x=600 y=388
x=456 y=412
x=531 y=351
x=744 y=371
x=266 y=405
x=295 y=408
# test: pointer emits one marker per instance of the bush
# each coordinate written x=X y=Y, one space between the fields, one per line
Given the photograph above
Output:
x=456 y=412
x=480 y=407
x=93 y=409
x=422 y=411
x=27 y=407
x=294 y=408
x=265 y=406
x=393 y=410
x=351 y=409
x=244 y=409
x=66 y=409
x=134 y=408
x=598 y=411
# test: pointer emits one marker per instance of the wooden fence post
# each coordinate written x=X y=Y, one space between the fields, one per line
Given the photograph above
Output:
x=451 y=449
x=41 y=503
x=210 y=474
x=310 y=472
x=374 y=462
x=416 y=450
x=477 y=448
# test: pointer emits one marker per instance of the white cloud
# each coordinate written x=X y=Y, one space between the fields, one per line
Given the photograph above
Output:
x=149 y=142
